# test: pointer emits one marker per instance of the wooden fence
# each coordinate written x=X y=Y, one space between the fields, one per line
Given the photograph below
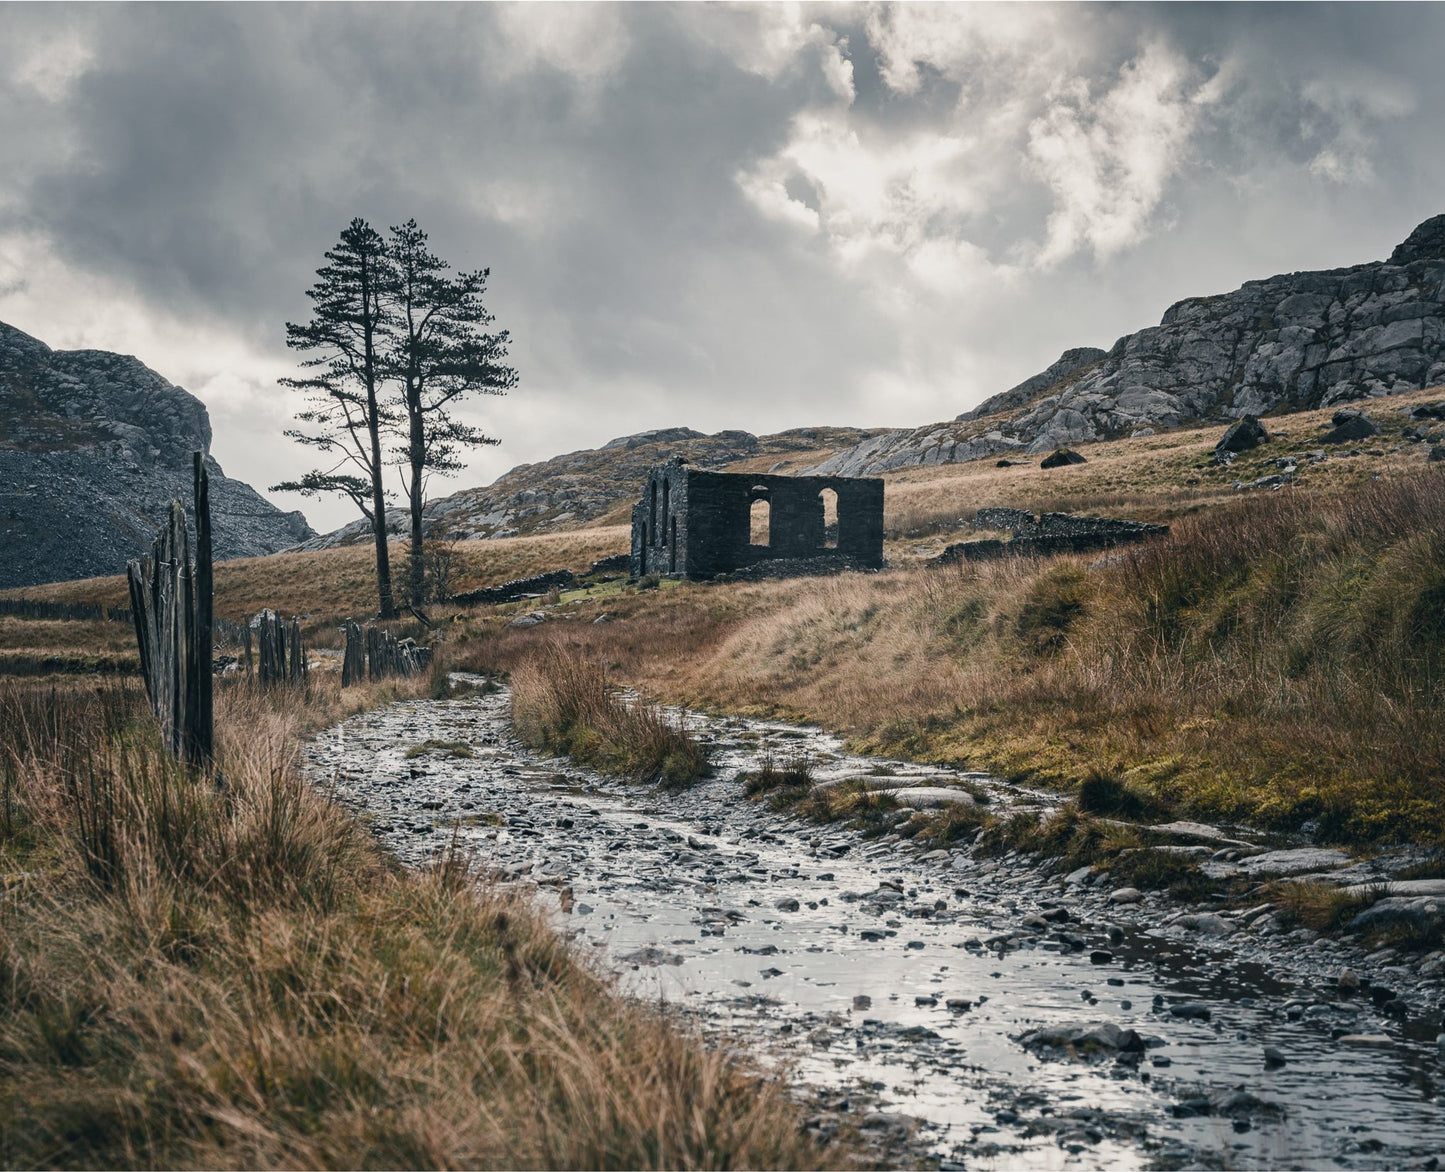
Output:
x=375 y=653
x=171 y=606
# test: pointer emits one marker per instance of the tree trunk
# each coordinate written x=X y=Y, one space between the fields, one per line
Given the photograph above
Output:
x=418 y=467
x=369 y=294
x=378 y=521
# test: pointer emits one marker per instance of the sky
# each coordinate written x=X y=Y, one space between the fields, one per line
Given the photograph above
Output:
x=702 y=215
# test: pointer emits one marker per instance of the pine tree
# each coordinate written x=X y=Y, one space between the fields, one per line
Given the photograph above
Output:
x=439 y=352
x=346 y=408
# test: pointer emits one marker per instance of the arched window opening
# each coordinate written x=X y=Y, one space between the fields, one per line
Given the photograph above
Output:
x=672 y=550
x=830 y=518
x=651 y=507
x=760 y=522
x=666 y=496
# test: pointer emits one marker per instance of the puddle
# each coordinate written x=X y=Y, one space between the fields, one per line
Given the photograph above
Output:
x=841 y=956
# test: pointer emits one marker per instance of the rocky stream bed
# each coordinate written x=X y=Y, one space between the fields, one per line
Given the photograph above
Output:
x=973 y=1012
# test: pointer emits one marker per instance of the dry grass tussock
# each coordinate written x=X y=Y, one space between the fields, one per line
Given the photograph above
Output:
x=203 y=976
x=1278 y=659
x=562 y=703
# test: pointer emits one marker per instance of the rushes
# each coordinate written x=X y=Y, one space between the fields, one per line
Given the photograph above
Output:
x=561 y=703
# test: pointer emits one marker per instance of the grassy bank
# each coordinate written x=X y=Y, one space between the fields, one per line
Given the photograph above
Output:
x=1276 y=660
x=562 y=703
x=197 y=976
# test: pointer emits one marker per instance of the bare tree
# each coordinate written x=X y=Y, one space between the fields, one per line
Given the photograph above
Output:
x=345 y=409
x=439 y=352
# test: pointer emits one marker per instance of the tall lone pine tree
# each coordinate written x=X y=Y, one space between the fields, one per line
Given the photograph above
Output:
x=345 y=404
x=398 y=341
x=439 y=352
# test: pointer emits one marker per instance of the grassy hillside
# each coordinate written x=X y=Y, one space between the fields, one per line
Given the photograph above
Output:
x=1277 y=659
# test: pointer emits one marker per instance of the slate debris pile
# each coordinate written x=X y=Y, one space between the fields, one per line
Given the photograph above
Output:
x=1050 y=533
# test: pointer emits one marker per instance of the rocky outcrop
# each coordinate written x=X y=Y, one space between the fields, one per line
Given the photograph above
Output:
x=583 y=487
x=93 y=447
x=1070 y=367
x=1288 y=343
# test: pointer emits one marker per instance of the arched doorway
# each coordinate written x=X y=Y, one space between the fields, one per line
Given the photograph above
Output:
x=760 y=518
x=830 y=518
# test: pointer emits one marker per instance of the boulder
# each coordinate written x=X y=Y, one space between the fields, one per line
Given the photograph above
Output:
x=1350 y=427
x=1103 y=1035
x=1248 y=433
x=1062 y=458
x=1437 y=454
x=1424 y=913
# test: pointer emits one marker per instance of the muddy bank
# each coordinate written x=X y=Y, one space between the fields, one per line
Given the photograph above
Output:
x=1021 y=1020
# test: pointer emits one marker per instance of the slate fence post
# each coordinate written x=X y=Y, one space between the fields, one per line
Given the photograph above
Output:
x=171 y=609
x=374 y=653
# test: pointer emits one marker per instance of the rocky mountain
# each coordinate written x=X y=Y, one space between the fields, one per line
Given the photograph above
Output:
x=1287 y=343
x=93 y=447
x=583 y=487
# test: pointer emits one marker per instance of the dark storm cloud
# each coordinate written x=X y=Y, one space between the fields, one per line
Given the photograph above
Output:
x=716 y=216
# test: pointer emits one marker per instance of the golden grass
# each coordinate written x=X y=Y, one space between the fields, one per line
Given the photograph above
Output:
x=342 y=582
x=194 y=976
x=561 y=703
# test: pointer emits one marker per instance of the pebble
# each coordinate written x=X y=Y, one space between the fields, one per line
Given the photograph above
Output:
x=1273 y=1057
x=1378 y=1041
x=862 y=1001
x=1125 y=895
x=1349 y=980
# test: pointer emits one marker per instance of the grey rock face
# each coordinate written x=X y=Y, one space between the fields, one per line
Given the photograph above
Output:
x=1292 y=342
x=93 y=447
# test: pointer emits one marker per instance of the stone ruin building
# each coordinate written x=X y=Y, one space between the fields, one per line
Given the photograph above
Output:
x=699 y=524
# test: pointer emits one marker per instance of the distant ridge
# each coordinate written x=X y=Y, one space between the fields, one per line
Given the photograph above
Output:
x=582 y=487
x=1287 y=343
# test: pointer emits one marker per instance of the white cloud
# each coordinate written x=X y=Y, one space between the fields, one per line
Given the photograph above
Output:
x=588 y=41
x=1109 y=158
x=50 y=66
x=1348 y=111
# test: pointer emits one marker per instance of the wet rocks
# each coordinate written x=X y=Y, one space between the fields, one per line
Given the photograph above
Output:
x=1125 y=895
x=1422 y=913
x=1206 y=924
x=1102 y=1035
x=1294 y=861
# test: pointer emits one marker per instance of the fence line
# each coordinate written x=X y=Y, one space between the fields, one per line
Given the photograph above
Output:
x=375 y=653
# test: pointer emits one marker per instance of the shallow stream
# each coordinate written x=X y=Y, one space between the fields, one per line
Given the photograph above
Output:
x=898 y=983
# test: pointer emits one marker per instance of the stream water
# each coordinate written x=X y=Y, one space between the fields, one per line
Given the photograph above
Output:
x=901 y=985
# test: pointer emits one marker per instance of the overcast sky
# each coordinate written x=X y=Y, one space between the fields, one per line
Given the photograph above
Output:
x=710 y=216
